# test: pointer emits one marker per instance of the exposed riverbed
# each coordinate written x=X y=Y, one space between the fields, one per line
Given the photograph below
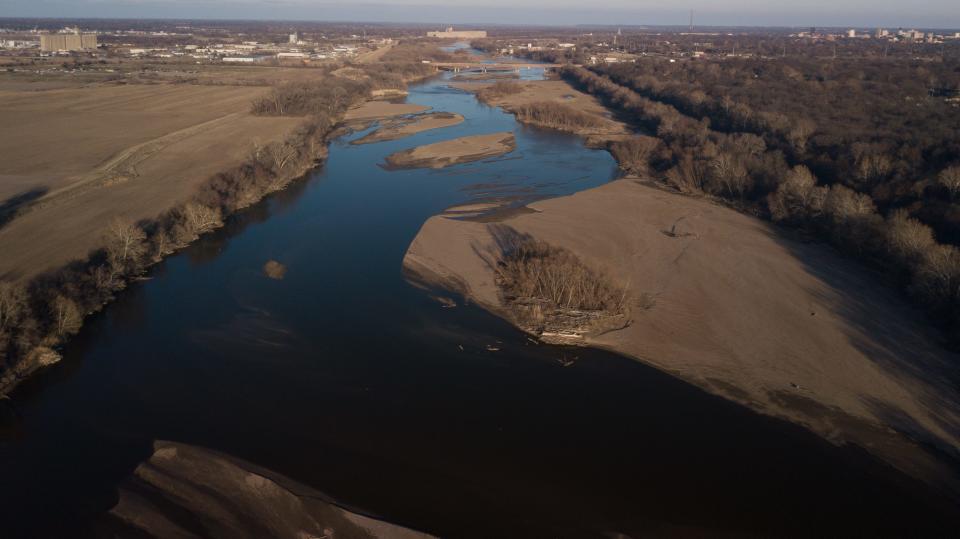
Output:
x=344 y=377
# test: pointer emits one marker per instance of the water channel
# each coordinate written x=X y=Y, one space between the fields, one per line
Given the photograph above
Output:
x=345 y=377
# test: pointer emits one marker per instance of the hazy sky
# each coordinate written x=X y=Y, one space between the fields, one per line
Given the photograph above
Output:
x=860 y=13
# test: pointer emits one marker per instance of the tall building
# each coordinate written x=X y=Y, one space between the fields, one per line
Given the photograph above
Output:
x=851 y=33
x=294 y=38
x=67 y=42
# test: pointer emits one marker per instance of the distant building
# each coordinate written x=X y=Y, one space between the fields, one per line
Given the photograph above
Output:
x=245 y=59
x=450 y=33
x=294 y=38
x=67 y=42
x=851 y=33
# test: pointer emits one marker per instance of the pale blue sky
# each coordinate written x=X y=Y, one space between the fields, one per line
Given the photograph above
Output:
x=859 y=13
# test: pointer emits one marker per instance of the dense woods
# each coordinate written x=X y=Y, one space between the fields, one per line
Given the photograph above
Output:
x=866 y=187
x=38 y=315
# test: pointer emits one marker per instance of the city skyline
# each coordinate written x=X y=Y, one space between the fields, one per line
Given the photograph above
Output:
x=858 y=13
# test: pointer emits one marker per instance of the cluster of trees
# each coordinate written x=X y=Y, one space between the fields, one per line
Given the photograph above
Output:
x=758 y=174
x=498 y=89
x=395 y=75
x=547 y=288
x=556 y=116
x=324 y=99
x=40 y=314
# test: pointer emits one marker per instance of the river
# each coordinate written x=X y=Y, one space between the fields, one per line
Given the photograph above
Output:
x=345 y=377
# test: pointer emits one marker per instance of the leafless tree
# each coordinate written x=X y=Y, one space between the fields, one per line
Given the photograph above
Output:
x=124 y=242
x=907 y=239
x=279 y=154
x=66 y=316
x=950 y=178
x=13 y=302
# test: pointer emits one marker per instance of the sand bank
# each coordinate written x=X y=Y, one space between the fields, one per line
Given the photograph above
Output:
x=187 y=491
x=724 y=301
x=453 y=152
x=382 y=109
x=554 y=91
x=411 y=125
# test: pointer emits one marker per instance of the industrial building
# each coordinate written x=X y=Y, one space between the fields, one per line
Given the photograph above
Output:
x=450 y=33
x=67 y=42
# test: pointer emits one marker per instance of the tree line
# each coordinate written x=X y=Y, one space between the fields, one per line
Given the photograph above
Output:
x=764 y=177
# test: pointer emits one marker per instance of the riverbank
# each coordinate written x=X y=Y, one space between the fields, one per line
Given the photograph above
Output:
x=722 y=300
x=453 y=152
x=43 y=311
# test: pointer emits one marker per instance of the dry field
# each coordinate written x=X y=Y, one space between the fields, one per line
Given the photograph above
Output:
x=722 y=300
x=88 y=153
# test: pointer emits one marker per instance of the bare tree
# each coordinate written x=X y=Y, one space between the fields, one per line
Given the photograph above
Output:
x=907 y=239
x=728 y=174
x=635 y=153
x=950 y=178
x=13 y=302
x=66 y=316
x=200 y=218
x=799 y=133
x=798 y=198
x=125 y=242
x=279 y=154
x=938 y=277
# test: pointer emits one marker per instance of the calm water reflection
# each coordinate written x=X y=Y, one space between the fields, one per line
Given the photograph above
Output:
x=345 y=377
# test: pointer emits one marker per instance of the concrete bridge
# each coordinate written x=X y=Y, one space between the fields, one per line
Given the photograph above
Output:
x=498 y=66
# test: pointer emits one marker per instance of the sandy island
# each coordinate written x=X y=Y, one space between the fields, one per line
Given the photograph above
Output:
x=454 y=152
x=726 y=302
x=372 y=110
x=410 y=125
x=189 y=491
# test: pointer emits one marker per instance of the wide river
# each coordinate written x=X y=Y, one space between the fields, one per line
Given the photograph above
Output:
x=345 y=377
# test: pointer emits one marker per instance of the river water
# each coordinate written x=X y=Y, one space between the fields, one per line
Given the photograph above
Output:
x=345 y=377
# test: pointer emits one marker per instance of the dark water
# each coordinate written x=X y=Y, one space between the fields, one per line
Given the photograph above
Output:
x=345 y=377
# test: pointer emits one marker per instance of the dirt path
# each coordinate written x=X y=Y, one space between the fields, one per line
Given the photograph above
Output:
x=373 y=56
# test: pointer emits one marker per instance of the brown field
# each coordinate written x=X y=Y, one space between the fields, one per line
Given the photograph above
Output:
x=455 y=151
x=724 y=301
x=95 y=152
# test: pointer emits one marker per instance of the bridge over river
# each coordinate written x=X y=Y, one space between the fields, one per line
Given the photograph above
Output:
x=496 y=66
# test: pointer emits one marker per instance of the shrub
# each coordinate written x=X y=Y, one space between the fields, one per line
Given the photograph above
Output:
x=636 y=154
x=548 y=288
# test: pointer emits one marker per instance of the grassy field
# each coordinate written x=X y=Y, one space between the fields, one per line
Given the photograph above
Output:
x=78 y=154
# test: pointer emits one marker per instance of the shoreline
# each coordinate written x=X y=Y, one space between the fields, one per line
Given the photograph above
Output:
x=881 y=387
x=46 y=354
